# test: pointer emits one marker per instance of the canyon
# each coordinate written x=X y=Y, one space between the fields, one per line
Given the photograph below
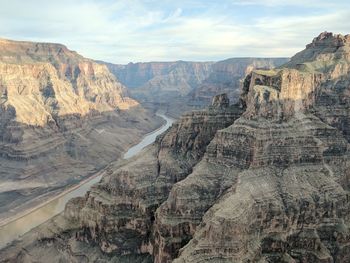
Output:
x=260 y=178
x=62 y=118
x=181 y=86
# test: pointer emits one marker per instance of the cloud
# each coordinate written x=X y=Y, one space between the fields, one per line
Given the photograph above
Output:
x=289 y=3
x=147 y=30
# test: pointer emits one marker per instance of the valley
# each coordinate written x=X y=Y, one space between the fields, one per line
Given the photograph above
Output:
x=62 y=118
x=181 y=86
x=259 y=175
x=12 y=230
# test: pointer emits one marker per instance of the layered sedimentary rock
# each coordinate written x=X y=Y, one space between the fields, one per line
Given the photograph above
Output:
x=179 y=76
x=181 y=86
x=62 y=117
x=264 y=181
x=329 y=55
x=117 y=214
x=226 y=76
x=162 y=84
x=288 y=199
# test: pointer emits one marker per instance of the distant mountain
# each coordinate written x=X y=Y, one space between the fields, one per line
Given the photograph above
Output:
x=182 y=85
x=226 y=76
x=179 y=76
x=52 y=103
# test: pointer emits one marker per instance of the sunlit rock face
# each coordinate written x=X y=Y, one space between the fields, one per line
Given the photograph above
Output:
x=265 y=180
x=62 y=116
x=226 y=76
x=44 y=81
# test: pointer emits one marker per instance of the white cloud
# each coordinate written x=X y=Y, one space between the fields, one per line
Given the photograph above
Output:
x=136 y=30
x=273 y=3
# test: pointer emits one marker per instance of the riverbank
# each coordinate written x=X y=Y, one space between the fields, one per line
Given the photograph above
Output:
x=18 y=225
x=8 y=220
x=53 y=195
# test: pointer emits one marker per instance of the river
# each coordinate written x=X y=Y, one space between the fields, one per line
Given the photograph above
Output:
x=14 y=229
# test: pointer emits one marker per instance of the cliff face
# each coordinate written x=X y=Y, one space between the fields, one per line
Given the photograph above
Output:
x=273 y=186
x=58 y=110
x=226 y=77
x=45 y=81
x=156 y=76
x=287 y=199
x=263 y=181
x=181 y=86
x=118 y=213
x=162 y=84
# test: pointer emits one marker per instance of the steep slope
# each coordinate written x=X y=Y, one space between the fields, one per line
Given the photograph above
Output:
x=117 y=214
x=288 y=200
x=181 y=86
x=162 y=84
x=264 y=181
x=62 y=117
x=226 y=75
x=179 y=76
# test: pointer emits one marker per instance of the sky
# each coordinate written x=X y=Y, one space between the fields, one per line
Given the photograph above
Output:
x=123 y=31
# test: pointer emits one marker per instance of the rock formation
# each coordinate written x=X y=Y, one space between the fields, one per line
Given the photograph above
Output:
x=162 y=84
x=266 y=180
x=226 y=75
x=117 y=214
x=178 y=76
x=62 y=117
x=134 y=189
x=181 y=86
x=288 y=195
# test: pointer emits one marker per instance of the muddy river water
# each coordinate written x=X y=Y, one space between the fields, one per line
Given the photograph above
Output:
x=14 y=229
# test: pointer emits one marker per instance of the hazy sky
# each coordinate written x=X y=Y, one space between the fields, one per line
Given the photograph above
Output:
x=121 y=31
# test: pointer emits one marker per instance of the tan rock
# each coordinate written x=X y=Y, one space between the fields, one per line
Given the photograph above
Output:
x=263 y=181
x=62 y=117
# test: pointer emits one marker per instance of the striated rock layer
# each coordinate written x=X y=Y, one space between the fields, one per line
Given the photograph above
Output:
x=288 y=199
x=226 y=77
x=118 y=213
x=62 y=117
x=162 y=85
x=184 y=85
x=264 y=181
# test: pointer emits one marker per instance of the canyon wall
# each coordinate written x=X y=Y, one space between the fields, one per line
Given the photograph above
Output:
x=226 y=77
x=62 y=117
x=183 y=85
x=263 y=180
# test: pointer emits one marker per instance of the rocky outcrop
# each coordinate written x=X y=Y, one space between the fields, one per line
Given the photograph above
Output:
x=329 y=55
x=220 y=101
x=118 y=213
x=287 y=199
x=45 y=81
x=226 y=77
x=62 y=117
